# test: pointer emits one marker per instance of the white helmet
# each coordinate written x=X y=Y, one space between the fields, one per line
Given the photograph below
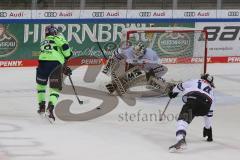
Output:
x=139 y=49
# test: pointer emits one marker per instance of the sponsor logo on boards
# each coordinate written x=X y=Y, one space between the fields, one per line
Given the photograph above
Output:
x=189 y=14
x=97 y=14
x=8 y=42
x=175 y=43
x=233 y=13
x=145 y=14
x=50 y=14
x=3 y=14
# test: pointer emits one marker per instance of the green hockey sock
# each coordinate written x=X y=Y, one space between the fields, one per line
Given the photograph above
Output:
x=54 y=94
x=41 y=91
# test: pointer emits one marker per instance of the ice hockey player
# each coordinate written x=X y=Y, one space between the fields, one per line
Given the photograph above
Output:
x=54 y=53
x=141 y=67
x=199 y=100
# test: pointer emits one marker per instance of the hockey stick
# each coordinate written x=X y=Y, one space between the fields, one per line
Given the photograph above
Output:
x=101 y=50
x=165 y=109
x=79 y=101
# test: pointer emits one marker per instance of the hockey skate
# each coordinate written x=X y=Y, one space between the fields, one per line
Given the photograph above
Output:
x=49 y=113
x=179 y=146
x=41 y=109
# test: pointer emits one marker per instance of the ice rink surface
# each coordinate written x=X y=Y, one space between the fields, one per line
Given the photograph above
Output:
x=127 y=132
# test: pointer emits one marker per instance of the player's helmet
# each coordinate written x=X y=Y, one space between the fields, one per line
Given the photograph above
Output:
x=51 y=30
x=208 y=78
x=139 y=49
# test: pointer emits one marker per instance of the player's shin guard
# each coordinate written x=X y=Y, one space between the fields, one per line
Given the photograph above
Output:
x=54 y=94
x=41 y=90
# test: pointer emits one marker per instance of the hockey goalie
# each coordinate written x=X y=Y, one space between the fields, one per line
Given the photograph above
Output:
x=140 y=67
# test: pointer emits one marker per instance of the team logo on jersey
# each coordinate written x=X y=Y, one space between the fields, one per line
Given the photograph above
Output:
x=8 y=42
x=175 y=43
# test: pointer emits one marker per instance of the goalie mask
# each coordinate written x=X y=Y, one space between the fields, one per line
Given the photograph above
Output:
x=139 y=49
x=208 y=78
x=51 y=31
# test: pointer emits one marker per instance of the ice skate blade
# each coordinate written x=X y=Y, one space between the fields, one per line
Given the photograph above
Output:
x=177 y=150
x=51 y=120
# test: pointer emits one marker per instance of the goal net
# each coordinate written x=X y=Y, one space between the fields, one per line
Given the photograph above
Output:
x=182 y=50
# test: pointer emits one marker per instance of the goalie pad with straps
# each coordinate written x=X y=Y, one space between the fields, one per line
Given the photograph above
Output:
x=133 y=77
x=163 y=86
x=136 y=76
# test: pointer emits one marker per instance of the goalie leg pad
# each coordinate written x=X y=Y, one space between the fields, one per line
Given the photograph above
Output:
x=121 y=87
x=56 y=78
x=111 y=65
x=135 y=76
x=156 y=70
x=107 y=68
x=162 y=85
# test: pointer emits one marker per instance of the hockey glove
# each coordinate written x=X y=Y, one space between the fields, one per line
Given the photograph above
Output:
x=67 y=71
x=111 y=88
x=107 y=68
x=149 y=74
x=172 y=94
x=208 y=133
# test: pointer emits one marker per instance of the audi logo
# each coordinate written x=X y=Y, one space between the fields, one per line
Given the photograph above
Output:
x=3 y=14
x=50 y=14
x=144 y=14
x=233 y=13
x=98 y=14
x=189 y=14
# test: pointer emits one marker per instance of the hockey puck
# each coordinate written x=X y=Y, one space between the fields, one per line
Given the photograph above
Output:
x=98 y=108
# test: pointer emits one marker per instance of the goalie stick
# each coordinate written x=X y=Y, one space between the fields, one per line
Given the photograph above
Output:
x=100 y=48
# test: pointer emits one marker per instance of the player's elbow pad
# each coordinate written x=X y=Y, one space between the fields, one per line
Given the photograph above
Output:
x=67 y=57
x=65 y=47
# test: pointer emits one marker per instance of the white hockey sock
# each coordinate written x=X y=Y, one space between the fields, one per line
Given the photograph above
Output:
x=181 y=125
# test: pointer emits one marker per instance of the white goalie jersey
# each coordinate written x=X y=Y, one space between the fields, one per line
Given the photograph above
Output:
x=148 y=61
x=150 y=56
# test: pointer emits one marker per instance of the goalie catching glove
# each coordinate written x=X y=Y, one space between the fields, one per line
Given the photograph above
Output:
x=111 y=87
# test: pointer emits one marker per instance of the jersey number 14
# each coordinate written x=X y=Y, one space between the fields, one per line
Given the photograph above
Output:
x=205 y=89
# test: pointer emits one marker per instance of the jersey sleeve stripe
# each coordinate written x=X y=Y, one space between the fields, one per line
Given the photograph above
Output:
x=180 y=87
x=210 y=113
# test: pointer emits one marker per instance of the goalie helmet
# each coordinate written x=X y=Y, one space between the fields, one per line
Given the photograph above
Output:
x=139 y=49
x=208 y=78
x=51 y=30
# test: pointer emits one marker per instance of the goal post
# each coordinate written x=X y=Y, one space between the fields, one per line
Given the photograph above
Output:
x=182 y=50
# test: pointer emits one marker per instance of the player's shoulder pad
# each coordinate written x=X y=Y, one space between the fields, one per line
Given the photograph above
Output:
x=150 y=52
x=60 y=39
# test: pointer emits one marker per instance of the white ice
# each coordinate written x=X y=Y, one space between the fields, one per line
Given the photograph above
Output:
x=25 y=136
